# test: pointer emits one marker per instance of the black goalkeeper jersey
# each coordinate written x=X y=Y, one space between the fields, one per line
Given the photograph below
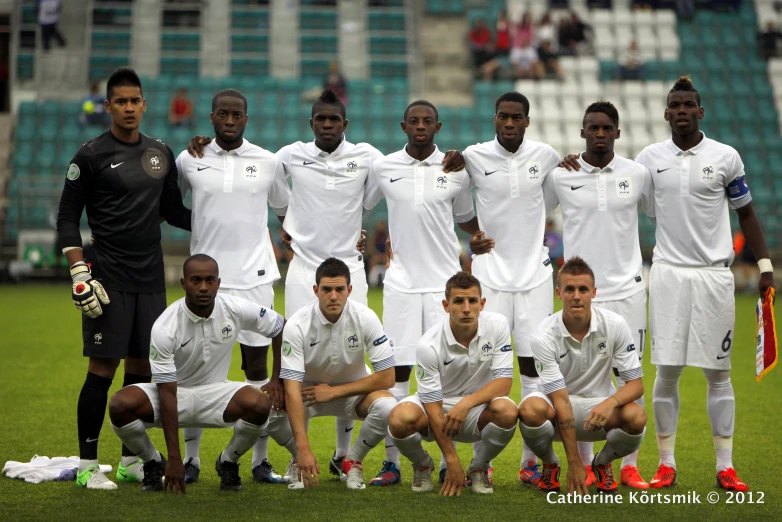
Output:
x=127 y=188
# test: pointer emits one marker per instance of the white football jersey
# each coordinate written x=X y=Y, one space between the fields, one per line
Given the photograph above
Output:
x=231 y=190
x=448 y=369
x=510 y=206
x=316 y=351
x=692 y=192
x=584 y=368
x=423 y=203
x=192 y=350
x=600 y=221
x=327 y=200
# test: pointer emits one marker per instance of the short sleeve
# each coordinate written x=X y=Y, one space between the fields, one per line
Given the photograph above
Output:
x=279 y=192
x=378 y=347
x=547 y=365
x=161 y=356
x=550 y=196
x=737 y=189
x=646 y=203
x=284 y=155
x=462 y=204
x=626 y=359
x=427 y=374
x=184 y=184
x=292 y=366
x=258 y=319
x=372 y=191
x=502 y=356
x=469 y=165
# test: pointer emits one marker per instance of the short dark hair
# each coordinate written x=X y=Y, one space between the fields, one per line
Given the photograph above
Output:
x=575 y=266
x=513 y=96
x=684 y=83
x=233 y=93
x=425 y=104
x=329 y=97
x=462 y=280
x=198 y=258
x=332 y=267
x=606 y=108
x=123 y=77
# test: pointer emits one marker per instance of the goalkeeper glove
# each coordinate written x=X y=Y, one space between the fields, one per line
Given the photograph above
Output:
x=88 y=293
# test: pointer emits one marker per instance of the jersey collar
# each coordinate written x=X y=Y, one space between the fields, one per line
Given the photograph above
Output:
x=217 y=149
x=431 y=160
x=317 y=152
x=452 y=340
x=193 y=317
x=505 y=152
x=564 y=331
x=693 y=151
x=586 y=167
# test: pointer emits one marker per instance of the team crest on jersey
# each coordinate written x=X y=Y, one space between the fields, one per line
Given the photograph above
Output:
x=155 y=163
x=624 y=188
x=708 y=173
x=73 y=172
x=352 y=341
x=532 y=171
x=352 y=166
x=98 y=338
x=227 y=331
x=441 y=181
x=486 y=351
x=602 y=348
x=251 y=172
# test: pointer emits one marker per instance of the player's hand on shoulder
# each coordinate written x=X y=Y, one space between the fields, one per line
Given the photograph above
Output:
x=174 y=478
x=766 y=282
x=362 y=241
x=317 y=394
x=454 y=481
x=571 y=162
x=453 y=161
x=576 y=479
x=480 y=244
x=196 y=147
x=275 y=389
x=87 y=293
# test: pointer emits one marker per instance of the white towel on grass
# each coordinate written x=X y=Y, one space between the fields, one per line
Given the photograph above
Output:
x=43 y=469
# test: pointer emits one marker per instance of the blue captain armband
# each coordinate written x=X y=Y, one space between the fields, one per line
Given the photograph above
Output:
x=738 y=193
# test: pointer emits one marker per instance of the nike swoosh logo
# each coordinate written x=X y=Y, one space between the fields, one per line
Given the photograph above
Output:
x=397 y=179
x=449 y=362
x=391 y=446
x=308 y=162
x=237 y=454
x=184 y=343
x=348 y=430
x=117 y=165
x=190 y=439
x=573 y=187
x=663 y=170
x=202 y=168
x=722 y=356
x=489 y=173
x=365 y=442
x=563 y=355
x=91 y=440
x=313 y=344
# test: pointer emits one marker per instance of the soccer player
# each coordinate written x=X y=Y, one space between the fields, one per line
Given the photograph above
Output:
x=423 y=203
x=465 y=371
x=574 y=351
x=190 y=356
x=324 y=344
x=600 y=204
x=127 y=181
x=232 y=184
x=511 y=261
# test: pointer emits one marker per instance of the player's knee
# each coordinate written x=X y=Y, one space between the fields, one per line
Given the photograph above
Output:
x=532 y=412
x=505 y=415
x=122 y=407
x=635 y=418
x=260 y=408
x=402 y=420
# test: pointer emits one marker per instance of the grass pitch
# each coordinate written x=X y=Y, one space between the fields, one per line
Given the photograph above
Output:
x=42 y=372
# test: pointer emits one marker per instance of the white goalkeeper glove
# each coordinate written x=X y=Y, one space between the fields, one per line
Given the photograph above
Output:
x=88 y=293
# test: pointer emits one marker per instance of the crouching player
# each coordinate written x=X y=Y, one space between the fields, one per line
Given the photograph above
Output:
x=574 y=352
x=465 y=371
x=190 y=357
x=325 y=375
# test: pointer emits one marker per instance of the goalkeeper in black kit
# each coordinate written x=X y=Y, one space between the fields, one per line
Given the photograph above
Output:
x=128 y=183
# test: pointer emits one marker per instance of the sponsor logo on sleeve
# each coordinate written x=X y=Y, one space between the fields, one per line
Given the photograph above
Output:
x=286 y=348
x=419 y=372
x=379 y=341
x=263 y=311
x=73 y=172
x=631 y=348
x=506 y=348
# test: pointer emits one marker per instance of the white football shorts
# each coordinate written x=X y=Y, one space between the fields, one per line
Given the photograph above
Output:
x=198 y=406
x=301 y=279
x=581 y=408
x=406 y=317
x=469 y=431
x=262 y=295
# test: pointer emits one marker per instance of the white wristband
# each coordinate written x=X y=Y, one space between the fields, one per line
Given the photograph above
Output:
x=765 y=265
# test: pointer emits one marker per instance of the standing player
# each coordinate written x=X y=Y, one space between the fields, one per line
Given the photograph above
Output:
x=190 y=356
x=465 y=371
x=128 y=183
x=423 y=203
x=508 y=174
x=325 y=374
x=232 y=184
x=574 y=352
x=600 y=204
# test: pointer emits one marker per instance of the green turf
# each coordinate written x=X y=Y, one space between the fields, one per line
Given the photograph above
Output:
x=42 y=372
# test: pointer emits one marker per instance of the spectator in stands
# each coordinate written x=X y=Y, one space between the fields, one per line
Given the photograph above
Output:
x=93 y=112
x=550 y=61
x=572 y=35
x=335 y=81
x=180 y=110
x=49 y=17
x=488 y=64
x=502 y=41
x=523 y=33
x=769 y=40
x=525 y=61
x=546 y=32
x=479 y=37
x=630 y=66
x=553 y=240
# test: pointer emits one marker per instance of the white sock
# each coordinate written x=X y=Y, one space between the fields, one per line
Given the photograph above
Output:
x=493 y=441
x=632 y=458
x=192 y=444
x=586 y=452
x=723 y=447
x=128 y=461
x=411 y=448
x=665 y=401
x=476 y=446
x=261 y=446
x=400 y=391
x=134 y=436
x=444 y=464
x=721 y=404
x=618 y=444
x=344 y=436
x=85 y=463
x=373 y=428
x=528 y=385
x=541 y=441
x=279 y=428
x=245 y=435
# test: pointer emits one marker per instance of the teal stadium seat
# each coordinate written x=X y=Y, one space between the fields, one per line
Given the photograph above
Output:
x=320 y=20
x=387 y=45
x=250 y=18
x=256 y=43
x=318 y=44
x=385 y=21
